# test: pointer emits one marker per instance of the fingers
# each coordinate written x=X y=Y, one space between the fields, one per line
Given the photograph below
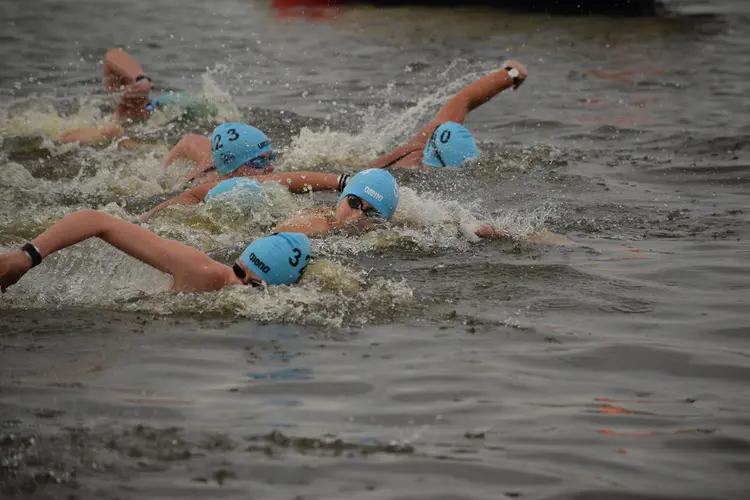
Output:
x=522 y=72
x=138 y=90
x=193 y=174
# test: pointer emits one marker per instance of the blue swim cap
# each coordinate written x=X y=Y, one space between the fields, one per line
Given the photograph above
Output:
x=278 y=259
x=377 y=187
x=189 y=106
x=165 y=100
x=233 y=185
x=235 y=144
x=452 y=143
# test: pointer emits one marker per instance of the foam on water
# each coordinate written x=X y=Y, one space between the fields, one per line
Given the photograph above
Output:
x=383 y=126
x=42 y=114
x=31 y=116
x=329 y=295
x=431 y=221
x=226 y=109
x=93 y=274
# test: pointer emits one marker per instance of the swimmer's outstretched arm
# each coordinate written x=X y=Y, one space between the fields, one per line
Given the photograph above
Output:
x=541 y=238
x=91 y=135
x=458 y=107
x=305 y=224
x=295 y=182
x=120 y=73
x=193 y=271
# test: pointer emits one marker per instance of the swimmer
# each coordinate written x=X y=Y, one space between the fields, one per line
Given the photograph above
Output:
x=367 y=198
x=295 y=182
x=233 y=150
x=444 y=141
x=123 y=74
x=277 y=259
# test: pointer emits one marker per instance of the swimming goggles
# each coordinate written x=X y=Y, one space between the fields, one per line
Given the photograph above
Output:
x=356 y=203
x=239 y=271
x=261 y=161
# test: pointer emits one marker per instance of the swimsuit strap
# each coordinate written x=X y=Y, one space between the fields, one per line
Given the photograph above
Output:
x=202 y=172
x=393 y=162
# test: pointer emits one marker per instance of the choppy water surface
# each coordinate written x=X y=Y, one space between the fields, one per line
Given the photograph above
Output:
x=414 y=362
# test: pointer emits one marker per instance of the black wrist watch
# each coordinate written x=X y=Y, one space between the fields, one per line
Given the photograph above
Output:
x=143 y=77
x=515 y=74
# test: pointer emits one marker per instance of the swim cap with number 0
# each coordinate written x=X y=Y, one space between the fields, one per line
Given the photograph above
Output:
x=449 y=146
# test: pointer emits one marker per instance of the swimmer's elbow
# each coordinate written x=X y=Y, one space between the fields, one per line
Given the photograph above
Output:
x=486 y=231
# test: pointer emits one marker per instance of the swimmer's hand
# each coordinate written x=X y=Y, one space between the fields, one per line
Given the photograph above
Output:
x=137 y=90
x=522 y=72
x=13 y=266
x=90 y=135
x=134 y=100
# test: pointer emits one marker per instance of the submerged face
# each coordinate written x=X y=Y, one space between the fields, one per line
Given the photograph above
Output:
x=276 y=259
x=371 y=193
x=352 y=208
x=245 y=275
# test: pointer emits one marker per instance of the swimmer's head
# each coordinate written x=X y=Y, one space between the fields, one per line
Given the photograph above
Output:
x=165 y=100
x=235 y=145
x=278 y=259
x=371 y=192
x=235 y=185
x=450 y=145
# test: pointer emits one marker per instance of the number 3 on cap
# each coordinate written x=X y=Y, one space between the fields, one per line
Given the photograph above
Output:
x=295 y=262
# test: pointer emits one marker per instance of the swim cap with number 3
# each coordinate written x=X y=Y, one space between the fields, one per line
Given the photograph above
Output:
x=278 y=259
x=234 y=144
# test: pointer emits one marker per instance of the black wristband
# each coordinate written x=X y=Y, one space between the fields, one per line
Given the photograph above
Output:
x=343 y=179
x=143 y=77
x=32 y=253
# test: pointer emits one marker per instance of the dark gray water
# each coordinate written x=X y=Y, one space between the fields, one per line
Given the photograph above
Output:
x=415 y=362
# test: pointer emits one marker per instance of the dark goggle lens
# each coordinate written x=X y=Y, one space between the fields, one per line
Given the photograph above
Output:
x=261 y=161
x=239 y=271
x=356 y=203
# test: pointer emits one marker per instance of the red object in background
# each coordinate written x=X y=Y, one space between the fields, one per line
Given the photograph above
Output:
x=313 y=9
x=286 y=4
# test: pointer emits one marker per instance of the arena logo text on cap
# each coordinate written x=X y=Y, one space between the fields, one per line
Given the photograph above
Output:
x=373 y=193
